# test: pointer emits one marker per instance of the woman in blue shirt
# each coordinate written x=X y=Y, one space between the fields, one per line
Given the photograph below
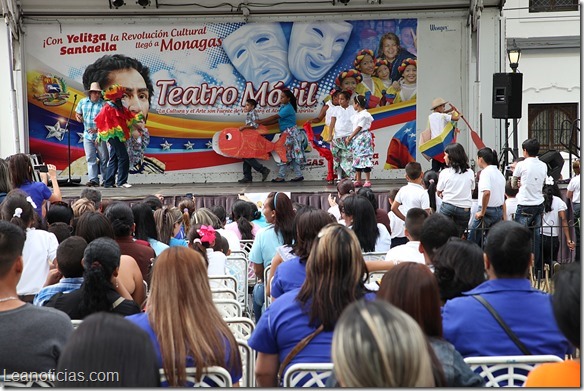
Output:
x=296 y=141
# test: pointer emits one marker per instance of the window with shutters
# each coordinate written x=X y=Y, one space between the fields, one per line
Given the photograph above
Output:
x=551 y=124
x=553 y=5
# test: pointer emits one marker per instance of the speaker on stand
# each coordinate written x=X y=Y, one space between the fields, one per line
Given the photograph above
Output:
x=507 y=94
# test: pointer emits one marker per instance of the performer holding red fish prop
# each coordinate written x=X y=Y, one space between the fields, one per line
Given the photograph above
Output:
x=247 y=144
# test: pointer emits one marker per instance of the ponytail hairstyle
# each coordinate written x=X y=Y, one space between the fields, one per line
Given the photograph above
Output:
x=17 y=209
x=187 y=207
x=255 y=212
x=550 y=189
x=165 y=219
x=360 y=100
x=201 y=237
x=284 y=221
x=292 y=98
x=20 y=169
x=345 y=186
x=430 y=181
x=489 y=156
x=242 y=214
x=100 y=260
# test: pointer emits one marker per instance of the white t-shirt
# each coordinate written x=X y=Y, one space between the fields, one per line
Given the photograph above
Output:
x=438 y=122
x=216 y=263
x=409 y=252
x=551 y=219
x=343 y=124
x=334 y=210
x=411 y=196
x=574 y=187
x=456 y=188
x=383 y=242
x=491 y=179
x=232 y=239
x=510 y=208
x=40 y=249
x=362 y=119
x=532 y=173
x=397 y=225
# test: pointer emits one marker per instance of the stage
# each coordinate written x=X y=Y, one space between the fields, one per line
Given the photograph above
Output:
x=314 y=193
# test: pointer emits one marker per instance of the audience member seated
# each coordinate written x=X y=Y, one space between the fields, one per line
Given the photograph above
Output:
x=122 y=220
x=93 y=195
x=199 y=337
x=168 y=225
x=40 y=247
x=344 y=187
x=378 y=345
x=290 y=273
x=153 y=201
x=474 y=331
x=458 y=267
x=205 y=216
x=31 y=338
x=117 y=351
x=81 y=206
x=202 y=239
x=68 y=276
x=410 y=251
x=280 y=216
x=93 y=225
x=359 y=215
x=335 y=275
x=145 y=227
x=381 y=215
x=242 y=226
x=221 y=214
x=567 y=307
x=59 y=212
x=436 y=231
x=100 y=290
x=61 y=230
x=413 y=289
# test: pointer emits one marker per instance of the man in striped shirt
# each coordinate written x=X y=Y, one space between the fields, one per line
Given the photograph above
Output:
x=86 y=111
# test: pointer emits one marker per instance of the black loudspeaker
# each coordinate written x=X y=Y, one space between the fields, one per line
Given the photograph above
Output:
x=507 y=92
x=554 y=161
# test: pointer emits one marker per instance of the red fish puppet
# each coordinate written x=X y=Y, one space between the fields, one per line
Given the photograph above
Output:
x=248 y=143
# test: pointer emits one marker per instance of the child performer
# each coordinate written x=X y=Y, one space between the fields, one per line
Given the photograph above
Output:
x=371 y=86
x=361 y=142
x=251 y=118
x=341 y=128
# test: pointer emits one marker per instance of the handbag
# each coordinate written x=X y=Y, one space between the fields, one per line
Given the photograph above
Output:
x=502 y=323
x=326 y=133
x=299 y=346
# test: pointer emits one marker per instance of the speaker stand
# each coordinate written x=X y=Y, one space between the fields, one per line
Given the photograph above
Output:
x=69 y=182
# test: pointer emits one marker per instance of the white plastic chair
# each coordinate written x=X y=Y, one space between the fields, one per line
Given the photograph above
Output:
x=228 y=308
x=42 y=379
x=212 y=377
x=223 y=294
x=237 y=267
x=373 y=256
x=247 y=364
x=511 y=371
x=220 y=282
x=246 y=246
x=267 y=298
x=240 y=327
x=76 y=322
x=376 y=276
x=314 y=374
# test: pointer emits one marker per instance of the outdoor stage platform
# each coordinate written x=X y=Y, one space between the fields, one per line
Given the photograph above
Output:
x=314 y=193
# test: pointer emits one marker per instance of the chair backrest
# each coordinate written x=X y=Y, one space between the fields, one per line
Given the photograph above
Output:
x=76 y=322
x=507 y=371
x=247 y=364
x=307 y=374
x=240 y=327
x=228 y=308
x=373 y=256
x=223 y=294
x=376 y=276
x=40 y=379
x=237 y=267
x=246 y=246
x=212 y=377
x=220 y=282
x=267 y=283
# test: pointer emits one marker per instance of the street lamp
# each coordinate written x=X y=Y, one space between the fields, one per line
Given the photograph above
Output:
x=514 y=54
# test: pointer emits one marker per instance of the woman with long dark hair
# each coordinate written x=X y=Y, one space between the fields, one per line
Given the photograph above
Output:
x=335 y=277
x=242 y=225
x=145 y=228
x=280 y=215
x=296 y=140
x=360 y=217
x=455 y=185
x=101 y=290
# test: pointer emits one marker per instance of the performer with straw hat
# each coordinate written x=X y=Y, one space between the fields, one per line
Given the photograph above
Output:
x=441 y=130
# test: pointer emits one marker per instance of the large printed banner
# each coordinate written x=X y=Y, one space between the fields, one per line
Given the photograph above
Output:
x=192 y=81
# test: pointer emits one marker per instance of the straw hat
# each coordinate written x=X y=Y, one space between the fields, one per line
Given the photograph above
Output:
x=438 y=102
x=95 y=87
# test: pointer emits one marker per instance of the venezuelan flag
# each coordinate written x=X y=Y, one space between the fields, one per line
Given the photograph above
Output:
x=435 y=147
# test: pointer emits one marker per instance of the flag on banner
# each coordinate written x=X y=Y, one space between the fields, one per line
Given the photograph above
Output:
x=434 y=148
x=402 y=147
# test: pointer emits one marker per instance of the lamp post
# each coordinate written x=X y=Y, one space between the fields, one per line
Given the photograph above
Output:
x=514 y=54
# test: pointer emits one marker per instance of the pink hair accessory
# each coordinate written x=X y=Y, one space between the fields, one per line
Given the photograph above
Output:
x=207 y=233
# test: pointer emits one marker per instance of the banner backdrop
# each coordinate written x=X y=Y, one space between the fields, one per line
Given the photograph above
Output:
x=201 y=75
